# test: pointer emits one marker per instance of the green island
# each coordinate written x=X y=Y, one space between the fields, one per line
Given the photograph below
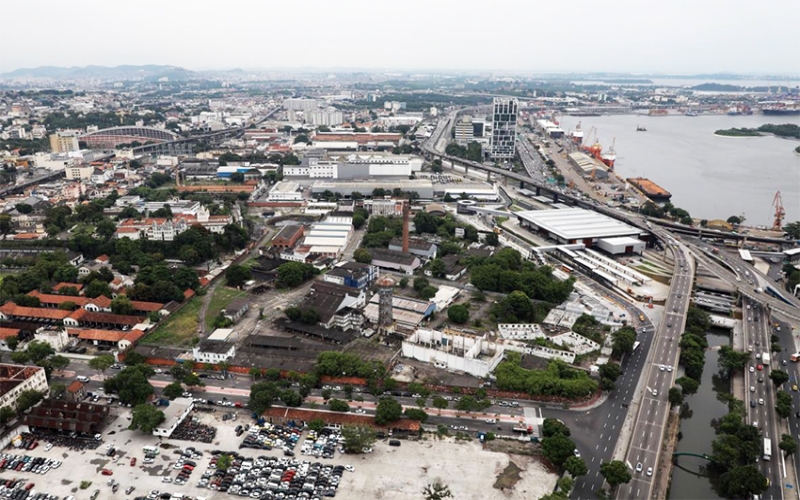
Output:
x=786 y=130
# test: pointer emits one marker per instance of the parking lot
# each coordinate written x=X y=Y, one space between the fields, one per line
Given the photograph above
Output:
x=281 y=460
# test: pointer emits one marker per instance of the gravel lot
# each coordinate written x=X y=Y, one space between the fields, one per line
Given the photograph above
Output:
x=388 y=473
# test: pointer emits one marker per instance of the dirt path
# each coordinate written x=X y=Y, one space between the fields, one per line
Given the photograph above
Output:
x=201 y=318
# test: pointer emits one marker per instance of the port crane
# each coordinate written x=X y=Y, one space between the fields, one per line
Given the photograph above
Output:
x=777 y=224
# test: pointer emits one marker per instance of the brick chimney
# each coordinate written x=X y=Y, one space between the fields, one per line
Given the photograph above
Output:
x=406 y=210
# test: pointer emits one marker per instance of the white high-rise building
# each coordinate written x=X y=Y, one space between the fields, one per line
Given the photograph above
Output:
x=305 y=105
x=464 y=131
x=504 y=128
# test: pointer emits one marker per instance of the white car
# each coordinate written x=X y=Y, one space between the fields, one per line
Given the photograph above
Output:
x=576 y=453
x=649 y=471
x=639 y=467
x=48 y=447
x=752 y=389
x=752 y=369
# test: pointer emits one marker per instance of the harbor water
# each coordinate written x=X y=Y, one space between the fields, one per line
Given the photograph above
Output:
x=688 y=477
x=712 y=177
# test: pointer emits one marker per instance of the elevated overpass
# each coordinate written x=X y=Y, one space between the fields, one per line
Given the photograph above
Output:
x=18 y=188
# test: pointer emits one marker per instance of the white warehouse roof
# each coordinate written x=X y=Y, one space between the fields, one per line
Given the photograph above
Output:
x=577 y=223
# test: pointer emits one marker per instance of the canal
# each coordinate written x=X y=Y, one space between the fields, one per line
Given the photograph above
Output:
x=689 y=480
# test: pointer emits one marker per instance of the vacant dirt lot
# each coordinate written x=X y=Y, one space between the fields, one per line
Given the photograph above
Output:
x=401 y=473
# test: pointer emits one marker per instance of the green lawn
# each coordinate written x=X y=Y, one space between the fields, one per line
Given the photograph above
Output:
x=178 y=329
x=221 y=298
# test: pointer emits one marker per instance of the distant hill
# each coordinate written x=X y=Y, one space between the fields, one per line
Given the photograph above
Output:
x=126 y=72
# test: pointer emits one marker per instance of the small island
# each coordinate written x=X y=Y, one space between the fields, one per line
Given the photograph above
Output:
x=789 y=130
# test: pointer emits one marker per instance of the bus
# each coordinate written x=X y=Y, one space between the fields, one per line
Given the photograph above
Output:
x=567 y=269
x=636 y=346
x=767 y=448
x=150 y=450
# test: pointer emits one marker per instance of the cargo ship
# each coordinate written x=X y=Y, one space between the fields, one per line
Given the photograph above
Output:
x=781 y=110
x=577 y=134
x=650 y=189
x=658 y=112
x=610 y=156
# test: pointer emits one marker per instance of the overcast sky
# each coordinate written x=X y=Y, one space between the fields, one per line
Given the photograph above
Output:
x=668 y=36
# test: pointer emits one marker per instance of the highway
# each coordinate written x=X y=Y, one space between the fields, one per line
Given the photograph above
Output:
x=760 y=398
x=648 y=431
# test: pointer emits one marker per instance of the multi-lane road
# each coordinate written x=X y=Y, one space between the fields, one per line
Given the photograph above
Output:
x=648 y=431
x=760 y=392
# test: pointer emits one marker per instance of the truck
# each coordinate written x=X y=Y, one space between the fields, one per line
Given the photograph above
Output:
x=765 y=359
x=795 y=357
x=523 y=428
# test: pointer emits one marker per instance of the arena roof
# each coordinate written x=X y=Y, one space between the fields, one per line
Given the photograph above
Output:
x=577 y=223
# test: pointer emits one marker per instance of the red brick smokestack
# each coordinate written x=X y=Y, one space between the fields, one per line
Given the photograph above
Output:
x=406 y=210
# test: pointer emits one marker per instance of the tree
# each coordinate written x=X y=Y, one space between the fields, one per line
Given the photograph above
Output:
x=792 y=230
x=675 y=396
x=131 y=384
x=237 y=276
x=358 y=437
x=610 y=371
x=101 y=363
x=416 y=414
x=192 y=380
x=558 y=449
x=262 y=394
x=565 y=484
x=492 y=239
x=57 y=389
x=224 y=462
x=146 y=417
x=438 y=268
x=743 y=482
x=27 y=399
x=316 y=425
x=255 y=373
x=292 y=274
x=458 y=314
x=436 y=491
x=615 y=472
x=58 y=362
x=440 y=403
x=428 y=292
x=576 y=466
x=388 y=410
x=6 y=414
x=121 y=305
x=326 y=394
x=779 y=377
x=622 y=341
x=134 y=358
x=552 y=427
x=338 y=405
x=362 y=255
x=731 y=361
x=97 y=288
x=689 y=385
x=734 y=220
x=12 y=342
x=173 y=390
x=788 y=445
x=178 y=371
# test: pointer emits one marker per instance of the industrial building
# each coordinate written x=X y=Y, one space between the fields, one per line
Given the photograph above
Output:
x=420 y=247
x=354 y=166
x=423 y=187
x=395 y=260
x=588 y=166
x=478 y=191
x=550 y=129
x=407 y=313
x=285 y=191
x=575 y=225
x=352 y=274
x=472 y=354
x=504 y=128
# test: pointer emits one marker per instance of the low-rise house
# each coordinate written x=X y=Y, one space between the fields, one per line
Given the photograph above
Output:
x=236 y=308
x=213 y=351
x=76 y=391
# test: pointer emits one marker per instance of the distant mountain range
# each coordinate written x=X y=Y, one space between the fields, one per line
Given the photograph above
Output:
x=126 y=72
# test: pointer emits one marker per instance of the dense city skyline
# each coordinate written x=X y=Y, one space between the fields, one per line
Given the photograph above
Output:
x=681 y=38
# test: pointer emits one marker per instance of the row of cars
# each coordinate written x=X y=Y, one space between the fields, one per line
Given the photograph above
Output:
x=25 y=463
x=322 y=444
x=20 y=489
x=268 y=436
x=270 y=478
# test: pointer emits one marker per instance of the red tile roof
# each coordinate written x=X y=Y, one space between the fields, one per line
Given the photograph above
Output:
x=84 y=316
x=188 y=293
x=45 y=298
x=76 y=286
x=13 y=310
x=146 y=306
x=103 y=258
x=75 y=386
x=8 y=332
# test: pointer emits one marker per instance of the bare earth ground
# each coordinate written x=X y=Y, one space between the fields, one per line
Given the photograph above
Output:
x=470 y=472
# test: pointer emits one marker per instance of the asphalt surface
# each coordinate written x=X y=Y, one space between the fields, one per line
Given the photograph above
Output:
x=761 y=396
x=648 y=431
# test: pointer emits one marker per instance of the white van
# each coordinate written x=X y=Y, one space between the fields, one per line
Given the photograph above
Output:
x=83 y=379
